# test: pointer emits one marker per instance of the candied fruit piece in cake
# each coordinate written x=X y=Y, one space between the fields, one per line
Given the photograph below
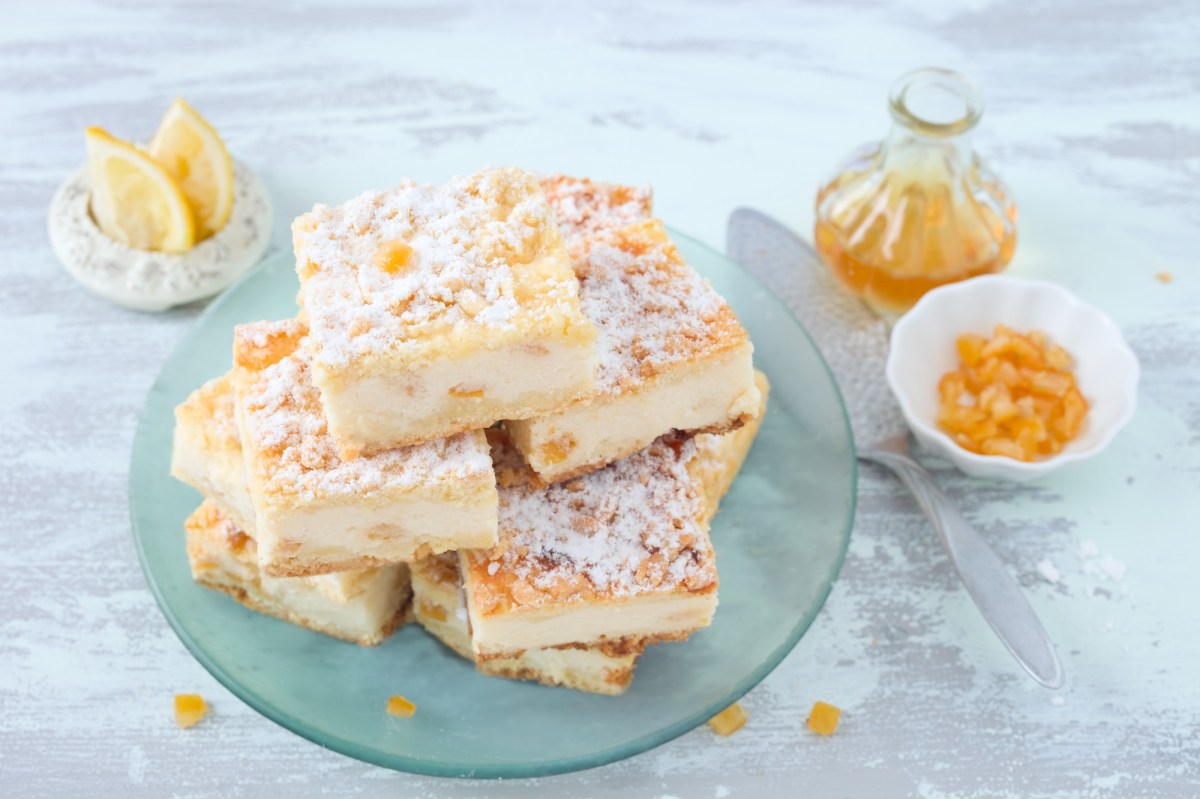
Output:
x=823 y=718
x=189 y=709
x=317 y=512
x=364 y=606
x=729 y=720
x=618 y=556
x=438 y=607
x=417 y=292
x=673 y=356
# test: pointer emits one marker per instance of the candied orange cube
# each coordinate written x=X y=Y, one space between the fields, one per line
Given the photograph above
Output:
x=951 y=385
x=189 y=709
x=1054 y=384
x=399 y=706
x=1013 y=395
x=984 y=429
x=1074 y=408
x=1058 y=358
x=729 y=720
x=1004 y=446
x=1007 y=374
x=823 y=718
x=970 y=348
x=1027 y=353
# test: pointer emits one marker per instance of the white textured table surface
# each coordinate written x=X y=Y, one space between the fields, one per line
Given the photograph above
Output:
x=1094 y=119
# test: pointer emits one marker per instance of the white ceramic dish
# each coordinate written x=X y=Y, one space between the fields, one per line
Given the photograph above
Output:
x=923 y=349
x=156 y=281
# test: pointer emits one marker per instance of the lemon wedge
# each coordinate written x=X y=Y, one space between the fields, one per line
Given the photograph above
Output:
x=194 y=155
x=134 y=200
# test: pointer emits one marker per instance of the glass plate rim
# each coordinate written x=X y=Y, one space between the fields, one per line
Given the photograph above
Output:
x=398 y=762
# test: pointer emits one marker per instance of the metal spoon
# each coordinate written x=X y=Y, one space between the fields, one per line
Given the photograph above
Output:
x=855 y=342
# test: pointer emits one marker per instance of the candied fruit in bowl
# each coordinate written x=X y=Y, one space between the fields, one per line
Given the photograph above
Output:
x=1013 y=395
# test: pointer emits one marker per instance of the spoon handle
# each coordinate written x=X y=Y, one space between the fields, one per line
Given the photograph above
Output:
x=993 y=589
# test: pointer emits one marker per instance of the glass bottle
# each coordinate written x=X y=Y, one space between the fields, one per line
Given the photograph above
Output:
x=919 y=209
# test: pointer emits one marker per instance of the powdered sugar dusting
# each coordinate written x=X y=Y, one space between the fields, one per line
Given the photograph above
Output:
x=652 y=310
x=296 y=455
x=633 y=527
x=583 y=207
x=467 y=252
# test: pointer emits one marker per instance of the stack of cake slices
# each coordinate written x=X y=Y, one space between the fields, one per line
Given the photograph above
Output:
x=507 y=409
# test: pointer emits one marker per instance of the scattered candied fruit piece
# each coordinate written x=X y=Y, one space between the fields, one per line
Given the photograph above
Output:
x=1013 y=395
x=399 y=706
x=189 y=709
x=823 y=718
x=729 y=720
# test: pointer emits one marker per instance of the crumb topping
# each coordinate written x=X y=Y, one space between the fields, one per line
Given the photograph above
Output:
x=387 y=271
x=210 y=409
x=633 y=527
x=584 y=207
x=652 y=309
x=293 y=452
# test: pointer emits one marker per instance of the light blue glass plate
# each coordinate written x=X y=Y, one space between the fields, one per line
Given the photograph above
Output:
x=780 y=539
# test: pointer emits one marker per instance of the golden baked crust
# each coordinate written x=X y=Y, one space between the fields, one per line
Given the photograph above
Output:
x=585 y=207
x=209 y=411
x=292 y=457
x=635 y=527
x=421 y=272
x=611 y=682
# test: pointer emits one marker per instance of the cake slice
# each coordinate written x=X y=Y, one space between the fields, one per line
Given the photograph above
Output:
x=364 y=607
x=719 y=457
x=440 y=309
x=207 y=454
x=584 y=207
x=673 y=356
x=620 y=556
x=438 y=606
x=317 y=513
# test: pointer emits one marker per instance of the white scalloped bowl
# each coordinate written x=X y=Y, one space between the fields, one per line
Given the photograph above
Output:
x=923 y=349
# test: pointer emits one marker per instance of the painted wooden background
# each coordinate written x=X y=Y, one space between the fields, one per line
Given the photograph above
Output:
x=1094 y=119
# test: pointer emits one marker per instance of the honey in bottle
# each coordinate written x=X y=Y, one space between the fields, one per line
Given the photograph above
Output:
x=919 y=209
